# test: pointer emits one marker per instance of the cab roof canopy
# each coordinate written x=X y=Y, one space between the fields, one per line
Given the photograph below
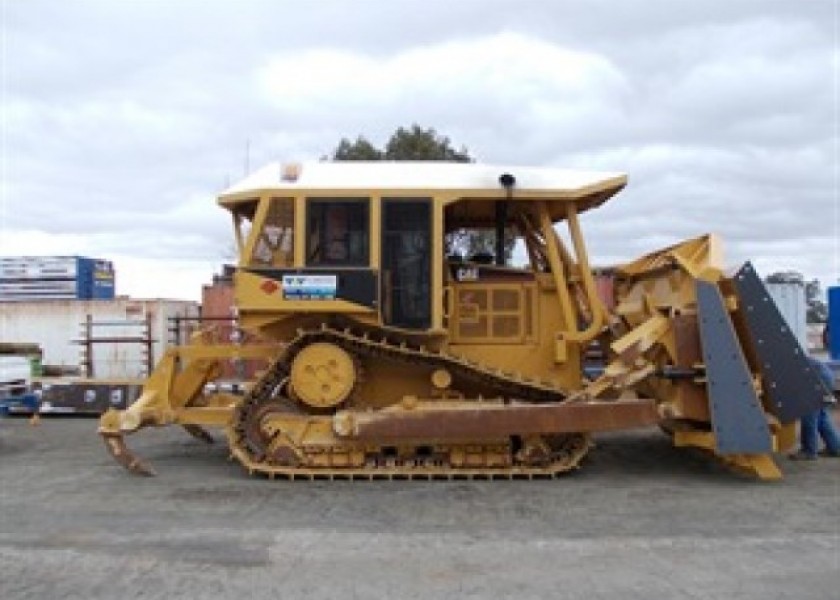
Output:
x=448 y=182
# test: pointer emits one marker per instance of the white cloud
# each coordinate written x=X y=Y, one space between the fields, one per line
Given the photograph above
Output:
x=507 y=81
x=120 y=123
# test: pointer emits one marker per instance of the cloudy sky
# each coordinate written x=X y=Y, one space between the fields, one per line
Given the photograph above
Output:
x=122 y=120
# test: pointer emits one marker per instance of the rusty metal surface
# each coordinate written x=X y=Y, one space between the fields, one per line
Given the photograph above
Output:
x=692 y=399
x=483 y=422
x=605 y=285
x=125 y=457
x=199 y=433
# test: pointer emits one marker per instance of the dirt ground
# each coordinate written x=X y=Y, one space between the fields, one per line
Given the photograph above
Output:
x=639 y=520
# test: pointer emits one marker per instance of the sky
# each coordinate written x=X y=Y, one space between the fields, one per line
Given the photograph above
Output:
x=122 y=121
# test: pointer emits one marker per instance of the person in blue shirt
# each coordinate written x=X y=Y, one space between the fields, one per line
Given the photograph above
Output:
x=818 y=423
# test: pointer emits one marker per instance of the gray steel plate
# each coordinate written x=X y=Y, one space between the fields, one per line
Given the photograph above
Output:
x=738 y=419
x=794 y=389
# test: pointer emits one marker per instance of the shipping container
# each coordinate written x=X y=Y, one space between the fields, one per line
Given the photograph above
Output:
x=55 y=278
x=103 y=280
x=57 y=289
x=58 y=327
x=39 y=267
x=790 y=300
x=833 y=325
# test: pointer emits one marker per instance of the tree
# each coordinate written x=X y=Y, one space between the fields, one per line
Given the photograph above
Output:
x=414 y=143
x=417 y=143
x=785 y=277
x=361 y=149
x=423 y=144
x=817 y=311
x=817 y=308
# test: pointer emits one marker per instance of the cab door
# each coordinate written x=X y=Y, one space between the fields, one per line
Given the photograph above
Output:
x=406 y=266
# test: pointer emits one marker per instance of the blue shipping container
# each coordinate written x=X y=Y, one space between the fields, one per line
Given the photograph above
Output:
x=94 y=279
x=834 y=322
x=104 y=280
x=84 y=278
x=55 y=278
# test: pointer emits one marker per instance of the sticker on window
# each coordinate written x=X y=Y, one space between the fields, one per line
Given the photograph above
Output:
x=309 y=287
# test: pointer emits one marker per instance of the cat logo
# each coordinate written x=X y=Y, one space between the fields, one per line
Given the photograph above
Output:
x=467 y=274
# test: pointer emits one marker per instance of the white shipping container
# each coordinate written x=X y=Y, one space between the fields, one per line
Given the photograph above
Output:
x=63 y=286
x=56 y=324
x=35 y=297
x=790 y=300
x=38 y=267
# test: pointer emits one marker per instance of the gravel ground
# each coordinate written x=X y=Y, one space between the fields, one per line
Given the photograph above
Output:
x=640 y=520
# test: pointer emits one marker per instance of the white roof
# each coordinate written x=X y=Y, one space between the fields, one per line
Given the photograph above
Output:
x=407 y=175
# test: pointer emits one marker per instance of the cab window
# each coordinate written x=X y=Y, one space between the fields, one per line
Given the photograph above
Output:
x=274 y=245
x=337 y=232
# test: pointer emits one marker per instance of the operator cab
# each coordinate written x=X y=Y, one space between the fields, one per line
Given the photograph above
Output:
x=393 y=243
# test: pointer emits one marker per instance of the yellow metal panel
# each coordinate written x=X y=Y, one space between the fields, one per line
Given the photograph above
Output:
x=375 y=231
x=478 y=317
x=228 y=351
x=785 y=437
x=756 y=465
x=256 y=228
x=561 y=352
x=217 y=416
x=597 y=309
x=300 y=231
x=697 y=439
x=557 y=269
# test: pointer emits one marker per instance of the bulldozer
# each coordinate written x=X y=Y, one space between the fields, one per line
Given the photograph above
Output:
x=389 y=352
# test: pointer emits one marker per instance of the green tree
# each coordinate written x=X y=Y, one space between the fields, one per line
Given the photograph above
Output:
x=418 y=143
x=817 y=308
x=361 y=149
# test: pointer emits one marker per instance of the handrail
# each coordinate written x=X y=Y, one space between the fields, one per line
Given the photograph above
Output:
x=556 y=265
x=596 y=307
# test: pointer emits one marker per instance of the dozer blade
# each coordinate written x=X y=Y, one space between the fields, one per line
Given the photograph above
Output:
x=794 y=389
x=738 y=420
x=125 y=457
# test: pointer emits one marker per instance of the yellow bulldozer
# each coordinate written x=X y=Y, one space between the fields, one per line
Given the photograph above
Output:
x=389 y=353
